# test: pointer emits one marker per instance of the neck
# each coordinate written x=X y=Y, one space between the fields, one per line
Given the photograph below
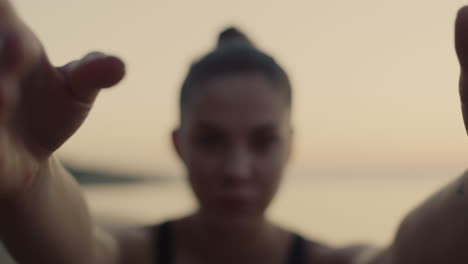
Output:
x=229 y=240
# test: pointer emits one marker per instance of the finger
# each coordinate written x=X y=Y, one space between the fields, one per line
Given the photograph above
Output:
x=464 y=96
x=12 y=53
x=461 y=47
x=11 y=65
x=19 y=46
x=7 y=13
x=465 y=116
x=59 y=101
x=463 y=86
x=95 y=71
x=5 y=80
x=461 y=37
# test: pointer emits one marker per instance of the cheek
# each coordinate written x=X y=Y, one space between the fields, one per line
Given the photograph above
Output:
x=270 y=170
x=274 y=160
x=269 y=176
x=202 y=172
x=202 y=165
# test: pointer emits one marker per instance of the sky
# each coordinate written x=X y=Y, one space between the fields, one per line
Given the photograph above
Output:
x=375 y=82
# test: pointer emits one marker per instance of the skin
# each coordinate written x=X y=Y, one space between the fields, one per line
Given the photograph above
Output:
x=41 y=106
x=461 y=48
x=234 y=140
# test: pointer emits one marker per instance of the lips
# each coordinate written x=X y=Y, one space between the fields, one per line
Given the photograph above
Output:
x=235 y=203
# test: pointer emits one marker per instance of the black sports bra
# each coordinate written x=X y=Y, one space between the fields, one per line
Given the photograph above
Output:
x=164 y=246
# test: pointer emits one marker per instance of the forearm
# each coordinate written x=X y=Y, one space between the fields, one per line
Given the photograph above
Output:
x=50 y=222
x=437 y=230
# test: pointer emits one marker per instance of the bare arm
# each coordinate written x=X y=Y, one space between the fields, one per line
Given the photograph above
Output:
x=434 y=232
x=43 y=217
x=437 y=230
x=50 y=223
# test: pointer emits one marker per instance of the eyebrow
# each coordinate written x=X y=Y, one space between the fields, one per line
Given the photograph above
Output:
x=267 y=127
x=206 y=125
x=203 y=124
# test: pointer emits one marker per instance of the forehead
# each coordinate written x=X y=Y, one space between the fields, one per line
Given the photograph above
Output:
x=237 y=101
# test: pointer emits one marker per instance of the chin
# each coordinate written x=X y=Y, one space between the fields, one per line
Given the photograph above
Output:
x=234 y=212
x=240 y=221
x=239 y=218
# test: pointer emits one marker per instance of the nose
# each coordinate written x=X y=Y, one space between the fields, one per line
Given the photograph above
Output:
x=238 y=165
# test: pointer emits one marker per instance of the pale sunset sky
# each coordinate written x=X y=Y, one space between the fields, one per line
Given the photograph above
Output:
x=375 y=82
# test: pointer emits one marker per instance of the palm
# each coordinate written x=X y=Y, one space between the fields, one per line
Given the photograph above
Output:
x=41 y=106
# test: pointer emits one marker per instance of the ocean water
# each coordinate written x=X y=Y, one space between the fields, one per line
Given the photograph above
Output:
x=335 y=210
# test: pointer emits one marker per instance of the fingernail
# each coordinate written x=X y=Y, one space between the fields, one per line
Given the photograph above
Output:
x=94 y=55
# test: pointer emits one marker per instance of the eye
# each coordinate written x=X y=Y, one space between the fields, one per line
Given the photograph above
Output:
x=210 y=142
x=263 y=142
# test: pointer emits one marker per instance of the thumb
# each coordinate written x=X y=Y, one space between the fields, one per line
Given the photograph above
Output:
x=87 y=76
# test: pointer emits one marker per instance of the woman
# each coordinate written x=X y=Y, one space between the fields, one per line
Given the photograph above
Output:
x=234 y=139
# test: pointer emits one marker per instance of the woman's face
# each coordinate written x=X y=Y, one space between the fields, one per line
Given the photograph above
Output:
x=235 y=140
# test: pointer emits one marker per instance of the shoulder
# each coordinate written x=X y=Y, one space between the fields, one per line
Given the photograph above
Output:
x=319 y=253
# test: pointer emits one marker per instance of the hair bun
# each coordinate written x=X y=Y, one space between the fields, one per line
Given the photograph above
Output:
x=232 y=35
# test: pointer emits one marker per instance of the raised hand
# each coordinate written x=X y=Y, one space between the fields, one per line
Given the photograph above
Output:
x=41 y=106
x=461 y=46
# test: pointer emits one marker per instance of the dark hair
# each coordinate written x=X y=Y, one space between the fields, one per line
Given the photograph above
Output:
x=234 y=53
